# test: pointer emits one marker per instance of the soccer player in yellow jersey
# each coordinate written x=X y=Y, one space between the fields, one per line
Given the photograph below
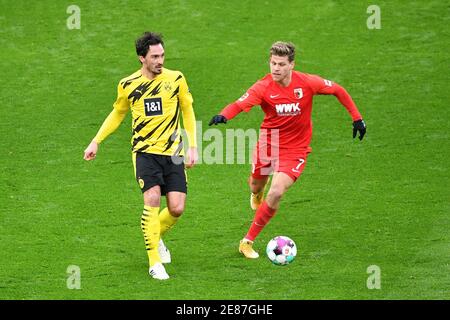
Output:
x=156 y=96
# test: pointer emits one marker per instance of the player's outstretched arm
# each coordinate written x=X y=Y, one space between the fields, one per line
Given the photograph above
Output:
x=323 y=86
x=251 y=98
x=359 y=126
x=346 y=100
x=228 y=113
x=91 y=151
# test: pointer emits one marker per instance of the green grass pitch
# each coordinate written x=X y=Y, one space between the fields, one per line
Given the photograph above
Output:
x=383 y=201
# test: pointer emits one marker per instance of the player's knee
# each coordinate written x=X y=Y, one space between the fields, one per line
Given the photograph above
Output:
x=275 y=194
x=176 y=210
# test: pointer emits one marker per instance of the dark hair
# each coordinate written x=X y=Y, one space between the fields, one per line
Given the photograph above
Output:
x=146 y=40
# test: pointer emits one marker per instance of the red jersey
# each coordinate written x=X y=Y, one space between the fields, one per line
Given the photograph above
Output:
x=288 y=109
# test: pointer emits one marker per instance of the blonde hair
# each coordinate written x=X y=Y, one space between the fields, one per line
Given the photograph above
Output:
x=283 y=49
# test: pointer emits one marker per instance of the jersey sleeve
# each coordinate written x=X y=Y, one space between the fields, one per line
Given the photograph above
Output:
x=186 y=101
x=320 y=85
x=184 y=95
x=324 y=86
x=121 y=105
x=115 y=118
x=252 y=97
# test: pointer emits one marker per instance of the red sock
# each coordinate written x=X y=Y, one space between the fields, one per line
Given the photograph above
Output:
x=262 y=217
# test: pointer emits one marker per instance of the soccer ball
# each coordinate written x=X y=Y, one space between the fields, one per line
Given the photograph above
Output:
x=281 y=250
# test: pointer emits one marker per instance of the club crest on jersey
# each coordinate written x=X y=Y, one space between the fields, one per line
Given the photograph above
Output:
x=298 y=92
x=288 y=109
x=167 y=86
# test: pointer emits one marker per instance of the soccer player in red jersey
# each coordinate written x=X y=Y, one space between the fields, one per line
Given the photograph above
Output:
x=285 y=96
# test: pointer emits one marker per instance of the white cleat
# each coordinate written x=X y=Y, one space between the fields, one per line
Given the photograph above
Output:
x=164 y=253
x=158 y=272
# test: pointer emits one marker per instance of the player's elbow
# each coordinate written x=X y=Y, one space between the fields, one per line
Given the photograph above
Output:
x=339 y=90
x=120 y=112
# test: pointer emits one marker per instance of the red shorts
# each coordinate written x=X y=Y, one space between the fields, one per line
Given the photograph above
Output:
x=290 y=162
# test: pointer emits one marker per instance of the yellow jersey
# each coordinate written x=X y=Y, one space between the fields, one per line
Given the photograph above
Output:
x=155 y=108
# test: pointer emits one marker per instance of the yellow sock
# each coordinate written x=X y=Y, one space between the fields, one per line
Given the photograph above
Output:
x=166 y=220
x=150 y=227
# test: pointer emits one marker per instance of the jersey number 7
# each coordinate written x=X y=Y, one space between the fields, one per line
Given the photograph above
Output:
x=297 y=168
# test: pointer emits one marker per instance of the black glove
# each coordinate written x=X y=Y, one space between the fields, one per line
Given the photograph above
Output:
x=360 y=126
x=218 y=119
